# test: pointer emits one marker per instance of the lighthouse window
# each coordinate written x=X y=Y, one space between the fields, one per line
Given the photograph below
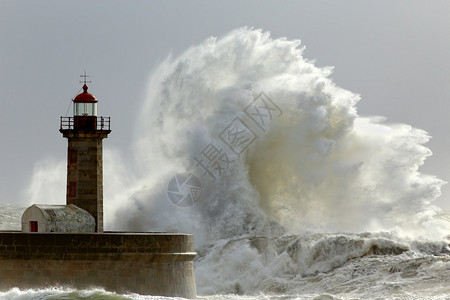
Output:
x=91 y=109
x=72 y=156
x=72 y=189
x=85 y=109
x=78 y=109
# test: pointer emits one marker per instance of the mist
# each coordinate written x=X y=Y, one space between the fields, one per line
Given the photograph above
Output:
x=307 y=162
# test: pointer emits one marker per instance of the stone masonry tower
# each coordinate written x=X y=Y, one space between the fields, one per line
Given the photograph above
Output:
x=85 y=132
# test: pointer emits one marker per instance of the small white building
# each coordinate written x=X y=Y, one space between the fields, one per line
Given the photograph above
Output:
x=57 y=218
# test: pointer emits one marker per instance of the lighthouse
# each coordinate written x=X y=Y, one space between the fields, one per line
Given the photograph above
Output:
x=64 y=245
x=85 y=132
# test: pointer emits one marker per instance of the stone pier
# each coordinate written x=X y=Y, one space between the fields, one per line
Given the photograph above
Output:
x=143 y=263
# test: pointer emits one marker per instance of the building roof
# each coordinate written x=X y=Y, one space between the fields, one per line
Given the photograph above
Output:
x=62 y=218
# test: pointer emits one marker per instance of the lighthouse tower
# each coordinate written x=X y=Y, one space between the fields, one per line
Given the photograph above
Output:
x=85 y=132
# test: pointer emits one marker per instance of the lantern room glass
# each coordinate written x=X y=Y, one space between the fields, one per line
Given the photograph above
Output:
x=85 y=109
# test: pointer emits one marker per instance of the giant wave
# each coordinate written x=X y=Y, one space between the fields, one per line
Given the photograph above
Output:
x=304 y=196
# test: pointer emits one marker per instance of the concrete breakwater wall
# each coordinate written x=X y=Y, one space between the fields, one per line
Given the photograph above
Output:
x=143 y=263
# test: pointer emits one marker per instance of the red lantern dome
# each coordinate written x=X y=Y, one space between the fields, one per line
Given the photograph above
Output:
x=85 y=96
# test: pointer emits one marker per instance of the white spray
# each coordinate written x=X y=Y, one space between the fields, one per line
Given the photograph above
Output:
x=305 y=162
x=314 y=166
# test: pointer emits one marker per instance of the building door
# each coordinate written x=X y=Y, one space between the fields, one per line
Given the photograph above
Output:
x=33 y=226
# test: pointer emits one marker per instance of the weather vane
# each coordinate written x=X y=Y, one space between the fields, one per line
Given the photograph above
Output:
x=84 y=78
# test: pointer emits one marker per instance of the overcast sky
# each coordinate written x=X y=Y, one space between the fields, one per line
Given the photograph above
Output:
x=395 y=54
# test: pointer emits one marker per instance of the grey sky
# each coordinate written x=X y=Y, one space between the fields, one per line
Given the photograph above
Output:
x=394 y=53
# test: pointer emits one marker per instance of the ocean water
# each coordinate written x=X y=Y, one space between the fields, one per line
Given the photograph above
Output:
x=307 y=266
x=291 y=194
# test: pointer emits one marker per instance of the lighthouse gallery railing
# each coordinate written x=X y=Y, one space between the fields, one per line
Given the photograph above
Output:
x=68 y=123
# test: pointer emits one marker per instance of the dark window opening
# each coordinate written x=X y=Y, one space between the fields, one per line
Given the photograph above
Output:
x=33 y=226
x=72 y=156
x=72 y=189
